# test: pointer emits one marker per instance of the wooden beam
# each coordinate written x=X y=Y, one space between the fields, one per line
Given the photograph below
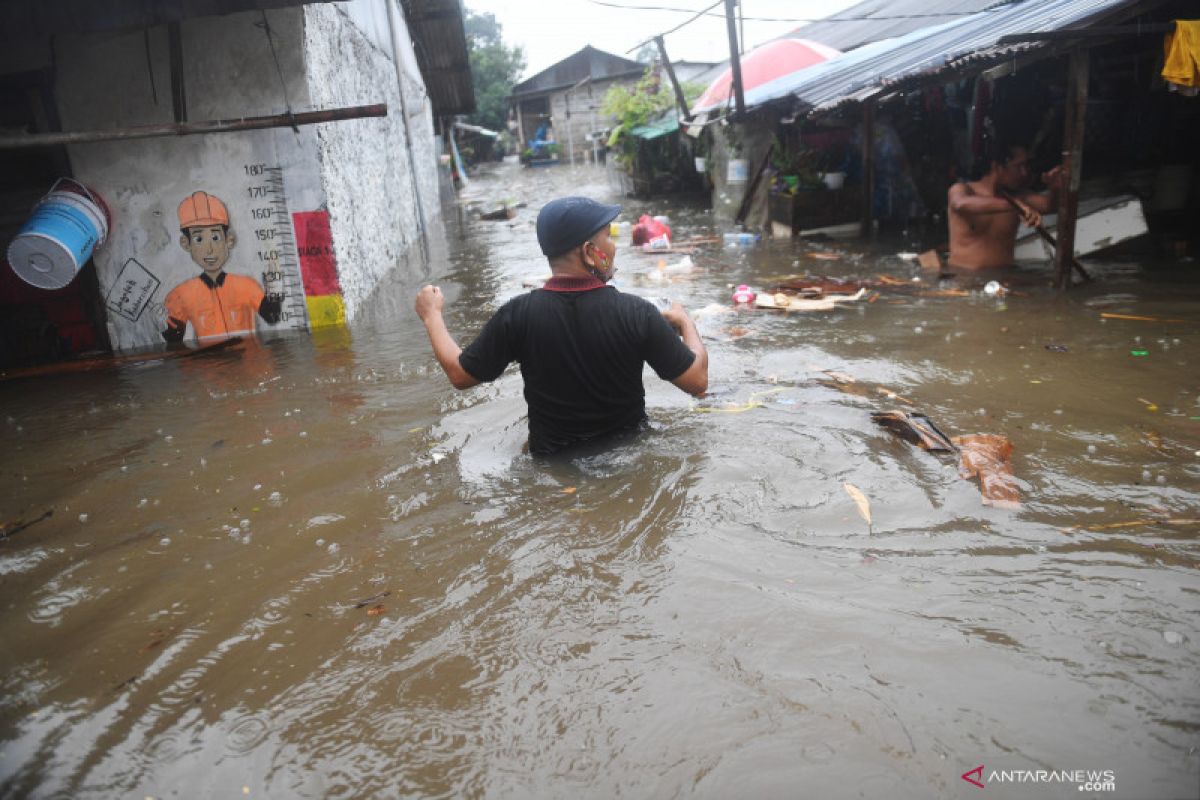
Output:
x=1068 y=199
x=752 y=187
x=868 y=169
x=679 y=98
x=192 y=128
x=735 y=60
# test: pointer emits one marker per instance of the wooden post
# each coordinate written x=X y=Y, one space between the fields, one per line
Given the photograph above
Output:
x=735 y=61
x=679 y=98
x=1068 y=199
x=178 y=87
x=868 y=169
x=752 y=187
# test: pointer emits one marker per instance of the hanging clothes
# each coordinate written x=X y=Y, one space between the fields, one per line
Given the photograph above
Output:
x=1181 y=66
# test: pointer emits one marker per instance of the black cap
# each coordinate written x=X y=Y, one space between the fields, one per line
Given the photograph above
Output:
x=570 y=221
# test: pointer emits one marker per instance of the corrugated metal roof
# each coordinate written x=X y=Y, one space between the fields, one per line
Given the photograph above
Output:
x=666 y=124
x=874 y=68
x=587 y=63
x=440 y=43
x=873 y=20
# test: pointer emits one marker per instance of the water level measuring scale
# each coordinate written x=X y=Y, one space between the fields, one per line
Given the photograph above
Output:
x=275 y=256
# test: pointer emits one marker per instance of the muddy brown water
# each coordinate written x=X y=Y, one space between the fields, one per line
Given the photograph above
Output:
x=308 y=567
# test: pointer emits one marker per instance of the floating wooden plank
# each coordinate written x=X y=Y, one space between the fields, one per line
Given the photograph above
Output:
x=786 y=302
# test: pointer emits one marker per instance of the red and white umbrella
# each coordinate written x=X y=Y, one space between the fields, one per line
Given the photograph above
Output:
x=765 y=71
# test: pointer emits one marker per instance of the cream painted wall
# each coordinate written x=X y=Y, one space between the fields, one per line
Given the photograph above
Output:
x=104 y=80
x=329 y=55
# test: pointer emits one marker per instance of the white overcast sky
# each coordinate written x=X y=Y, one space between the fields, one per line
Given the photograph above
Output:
x=551 y=30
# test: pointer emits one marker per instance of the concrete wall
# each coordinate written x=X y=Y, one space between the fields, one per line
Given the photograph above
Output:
x=111 y=80
x=749 y=140
x=355 y=177
x=376 y=198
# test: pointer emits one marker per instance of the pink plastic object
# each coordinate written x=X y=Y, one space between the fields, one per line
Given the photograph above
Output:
x=743 y=294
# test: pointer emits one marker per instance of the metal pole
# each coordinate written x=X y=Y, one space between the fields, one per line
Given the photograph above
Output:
x=735 y=61
x=1068 y=200
x=570 y=129
x=592 y=133
x=412 y=162
x=192 y=128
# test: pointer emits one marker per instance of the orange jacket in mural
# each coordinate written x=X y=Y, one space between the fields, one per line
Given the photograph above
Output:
x=224 y=307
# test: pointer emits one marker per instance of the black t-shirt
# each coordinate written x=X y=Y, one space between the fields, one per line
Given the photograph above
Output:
x=581 y=355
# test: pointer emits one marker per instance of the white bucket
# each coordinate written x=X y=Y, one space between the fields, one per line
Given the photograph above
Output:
x=834 y=180
x=59 y=236
x=738 y=171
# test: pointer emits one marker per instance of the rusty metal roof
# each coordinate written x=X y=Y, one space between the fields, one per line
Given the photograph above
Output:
x=440 y=42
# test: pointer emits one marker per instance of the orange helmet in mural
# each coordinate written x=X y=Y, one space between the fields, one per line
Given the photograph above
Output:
x=202 y=209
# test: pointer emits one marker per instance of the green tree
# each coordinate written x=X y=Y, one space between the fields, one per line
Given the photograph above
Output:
x=495 y=68
x=650 y=98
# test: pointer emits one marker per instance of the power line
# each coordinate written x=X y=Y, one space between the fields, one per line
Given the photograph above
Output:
x=707 y=12
x=687 y=21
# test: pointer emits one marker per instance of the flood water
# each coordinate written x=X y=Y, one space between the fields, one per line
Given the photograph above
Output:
x=307 y=567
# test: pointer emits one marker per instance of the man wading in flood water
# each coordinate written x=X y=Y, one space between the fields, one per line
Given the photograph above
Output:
x=581 y=344
x=983 y=223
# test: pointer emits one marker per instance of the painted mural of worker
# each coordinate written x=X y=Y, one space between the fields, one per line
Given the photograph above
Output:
x=216 y=303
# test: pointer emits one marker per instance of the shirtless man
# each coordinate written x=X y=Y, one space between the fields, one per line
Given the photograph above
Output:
x=983 y=224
